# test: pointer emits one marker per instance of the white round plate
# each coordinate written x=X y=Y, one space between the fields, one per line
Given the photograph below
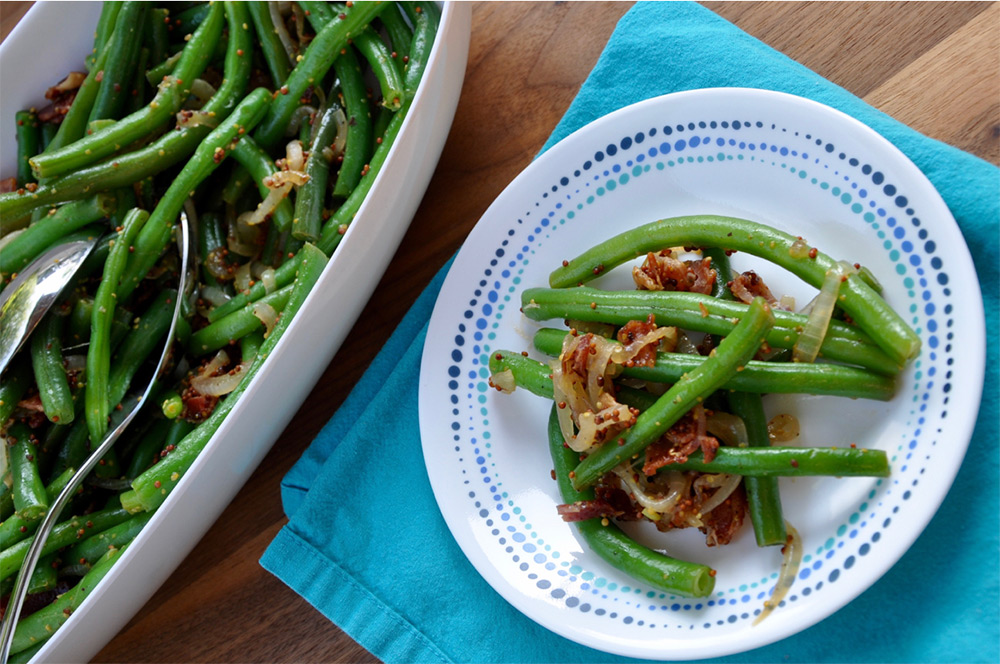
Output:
x=774 y=158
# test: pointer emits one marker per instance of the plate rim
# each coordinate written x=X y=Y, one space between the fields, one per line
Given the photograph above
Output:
x=944 y=221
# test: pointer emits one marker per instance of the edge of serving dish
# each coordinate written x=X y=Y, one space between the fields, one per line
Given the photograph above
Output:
x=298 y=361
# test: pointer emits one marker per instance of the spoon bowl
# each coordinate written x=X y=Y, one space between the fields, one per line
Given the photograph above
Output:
x=33 y=291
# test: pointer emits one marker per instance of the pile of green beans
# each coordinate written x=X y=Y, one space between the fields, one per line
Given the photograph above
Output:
x=167 y=96
x=860 y=360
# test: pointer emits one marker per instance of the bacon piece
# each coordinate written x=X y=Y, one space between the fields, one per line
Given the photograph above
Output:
x=632 y=330
x=678 y=443
x=722 y=523
x=745 y=287
x=661 y=271
x=585 y=509
x=8 y=185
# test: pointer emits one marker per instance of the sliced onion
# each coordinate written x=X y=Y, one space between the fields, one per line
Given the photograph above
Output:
x=214 y=295
x=197 y=119
x=76 y=362
x=791 y=558
x=282 y=179
x=799 y=249
x=807 y=346
x=267 y=315
x=295 y=158
x=217 y=386
x=727 y=484
x=282 y=32
x=787 y=302
x=267 y=277
x=5 y=240
x=563 y=413
x=201 y=92
x=504 y=381
x=663 y=504
x=624 y=354
x=728 y=428
x=783 y=428
x=241 y=279
x=299 y=115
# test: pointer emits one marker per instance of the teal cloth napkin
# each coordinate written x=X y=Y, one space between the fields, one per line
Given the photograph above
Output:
x=365 y=542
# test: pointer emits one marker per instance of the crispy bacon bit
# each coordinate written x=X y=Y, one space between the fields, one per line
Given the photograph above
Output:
x=584 y=509
x=661 y=271
x=678 y=443
x=747 y=286
x=722 y=523
x=7 y=185
x=646 y=357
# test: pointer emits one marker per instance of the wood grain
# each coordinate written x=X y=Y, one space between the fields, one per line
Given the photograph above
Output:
x=934 y=66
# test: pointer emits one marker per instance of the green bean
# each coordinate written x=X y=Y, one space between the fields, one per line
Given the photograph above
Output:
x=869 y=311
x=25 y=656
x=757 y=376
x=251 y=157
x=172 y=405
x=97 y=404
x=610 y=543
x=310 y=198
x=315 y=62
x=92 y=549
x=425 y=19
x=150 y=489
x=384 y=66
x=40 y=625
x=790 y=462
x=116 y=74
x=14 y=385
x=156 y=74
x=318 y=12
x=692 y=311
x=236 y=186
x=169 y=97
x=30 y=501
x=50 y=372
x=15 y=528
x=137 y=86
x=211 y=239
x=358 y=146
x=270 y=45
x=48 y=132
x=763 y=497
x=105 y=26
x=63 y=534
x=250 y=345
x=44 y=577
x=48 y=230
x=237 y=324
x=74 y=124
x=157 y=36
x=400 y=34
x=731 y=354
x=188 y=20
x=532 y=375
x=29 y=138
x=144 y=338
x=208 y=155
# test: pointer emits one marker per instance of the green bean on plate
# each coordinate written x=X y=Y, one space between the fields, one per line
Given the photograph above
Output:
x=157 y=117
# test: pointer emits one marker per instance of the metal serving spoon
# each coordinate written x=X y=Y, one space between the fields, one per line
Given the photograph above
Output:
x=26 y=299
x=34 y=552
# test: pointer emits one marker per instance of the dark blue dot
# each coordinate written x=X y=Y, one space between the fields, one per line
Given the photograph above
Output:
x=611 y=150
x=456 y=355
x=736 y=124
x=942 y=278
x=599 y=156
x=890 y=190
x=901 y=201
x=454 y=426
x=626 y=143
x=866 y=169
x=877 y=177
x=454 y=371
x=849 y=563
x=587 y=165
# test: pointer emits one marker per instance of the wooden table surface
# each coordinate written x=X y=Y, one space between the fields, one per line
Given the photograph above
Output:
x=934 y=66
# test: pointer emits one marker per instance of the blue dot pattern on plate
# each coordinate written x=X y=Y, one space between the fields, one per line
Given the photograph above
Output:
x=807 y=160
